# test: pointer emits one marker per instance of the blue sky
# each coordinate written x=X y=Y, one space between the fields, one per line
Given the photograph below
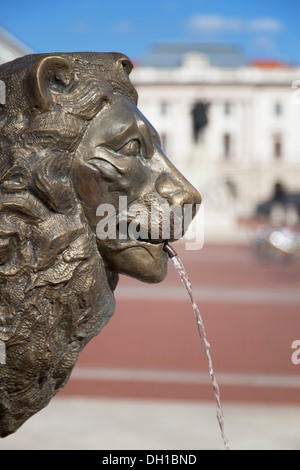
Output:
x=262 y=28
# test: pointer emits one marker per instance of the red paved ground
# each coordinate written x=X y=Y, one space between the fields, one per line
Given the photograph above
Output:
x=247 y=337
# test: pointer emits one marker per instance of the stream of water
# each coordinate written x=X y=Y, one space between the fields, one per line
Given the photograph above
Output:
x=205 y=344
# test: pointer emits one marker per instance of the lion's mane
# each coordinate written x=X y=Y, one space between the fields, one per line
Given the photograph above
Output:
x=56 y=293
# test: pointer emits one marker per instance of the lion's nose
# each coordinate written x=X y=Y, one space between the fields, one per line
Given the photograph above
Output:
x=177 y=192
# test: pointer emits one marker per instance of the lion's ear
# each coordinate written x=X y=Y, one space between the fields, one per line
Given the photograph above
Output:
x=124 y=63
x=48 y=72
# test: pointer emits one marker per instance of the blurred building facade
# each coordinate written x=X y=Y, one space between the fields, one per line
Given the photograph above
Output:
x=231 y=127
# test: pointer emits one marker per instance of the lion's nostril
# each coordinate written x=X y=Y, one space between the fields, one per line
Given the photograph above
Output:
x=177 y=192
x=165 y=186
x=181 y=198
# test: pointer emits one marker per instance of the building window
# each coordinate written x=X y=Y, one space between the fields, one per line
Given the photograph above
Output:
x=164 y=141
x=200 y=118
x=227 y=108
x=278 y=109
x=164 y=107
x=277 y=145
x=227 y=145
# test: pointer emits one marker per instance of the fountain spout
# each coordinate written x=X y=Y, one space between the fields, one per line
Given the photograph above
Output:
x=171 y=252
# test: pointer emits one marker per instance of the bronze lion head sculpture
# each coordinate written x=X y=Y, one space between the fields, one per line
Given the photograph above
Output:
x=72 y=138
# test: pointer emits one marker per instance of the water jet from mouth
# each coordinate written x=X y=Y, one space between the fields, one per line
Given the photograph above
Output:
x=202 y=333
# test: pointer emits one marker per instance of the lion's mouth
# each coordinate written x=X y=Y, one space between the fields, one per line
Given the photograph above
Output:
x=151 y=242
x=125 y=241
x=139 y=255
x=140 y=239
x=144 y=234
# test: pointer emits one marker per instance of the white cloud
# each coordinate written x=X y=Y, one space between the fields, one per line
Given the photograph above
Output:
x=212 y=24
x=266 y=25
x=217 y=24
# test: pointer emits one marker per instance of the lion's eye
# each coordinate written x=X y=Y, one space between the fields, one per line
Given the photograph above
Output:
x=132 y=148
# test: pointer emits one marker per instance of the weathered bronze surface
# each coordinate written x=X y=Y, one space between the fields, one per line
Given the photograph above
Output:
x=72 y=138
